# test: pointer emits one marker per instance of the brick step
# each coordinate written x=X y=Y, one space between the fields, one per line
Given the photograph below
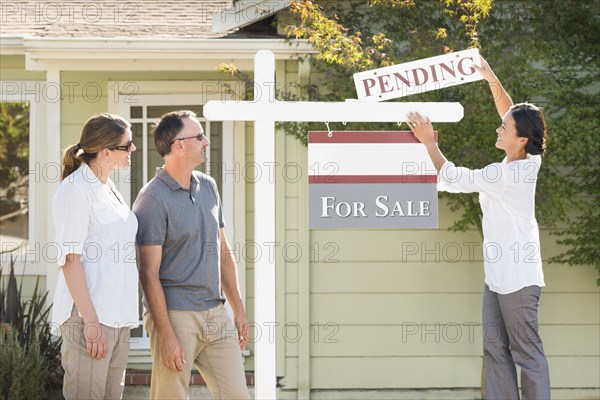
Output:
x=143 y=378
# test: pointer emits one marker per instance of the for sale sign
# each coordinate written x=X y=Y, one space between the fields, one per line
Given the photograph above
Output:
x=370 y=180
x=418 y=76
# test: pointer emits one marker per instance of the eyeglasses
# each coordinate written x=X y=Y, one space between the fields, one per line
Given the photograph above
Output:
x=126 y=147
x=199 y=136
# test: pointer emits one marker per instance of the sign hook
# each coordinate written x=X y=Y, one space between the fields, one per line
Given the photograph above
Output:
x=329 y=133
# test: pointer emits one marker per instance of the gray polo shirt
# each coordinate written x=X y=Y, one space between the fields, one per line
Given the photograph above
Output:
x=187 y=226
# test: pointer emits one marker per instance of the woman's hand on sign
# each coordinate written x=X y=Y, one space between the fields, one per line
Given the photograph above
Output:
x=421 y=127
x=485 y=70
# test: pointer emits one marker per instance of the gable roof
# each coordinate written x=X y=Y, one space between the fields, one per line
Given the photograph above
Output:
x=113 y=19
x=246 y=12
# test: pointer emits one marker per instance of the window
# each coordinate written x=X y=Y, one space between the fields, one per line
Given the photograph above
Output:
x=146 y=159
x=14 y=175
x=29 y=174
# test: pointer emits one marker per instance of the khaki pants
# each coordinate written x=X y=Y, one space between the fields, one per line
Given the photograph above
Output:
x=87 y=377
x=208 y=341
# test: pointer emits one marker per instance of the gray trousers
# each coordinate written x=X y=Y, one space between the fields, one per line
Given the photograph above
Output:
x=510 y=338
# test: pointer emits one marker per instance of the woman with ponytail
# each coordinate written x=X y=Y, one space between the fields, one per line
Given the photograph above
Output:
x=96 y=298
x=511 y=243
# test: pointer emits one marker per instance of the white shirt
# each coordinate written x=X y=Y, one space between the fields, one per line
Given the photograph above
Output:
x=511 y=242
x=92 y=219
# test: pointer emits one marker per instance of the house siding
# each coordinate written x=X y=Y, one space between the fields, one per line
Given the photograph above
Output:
x=91 y=91
x=12 y=68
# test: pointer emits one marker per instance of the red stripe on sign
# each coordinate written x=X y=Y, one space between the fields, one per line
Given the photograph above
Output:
x=335 y=179
x=365 y=137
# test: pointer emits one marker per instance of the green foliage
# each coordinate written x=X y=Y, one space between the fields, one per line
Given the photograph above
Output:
x=14 y=157
x=571 y=55
x=559 y=68
x=23 y=369
x=335 y=43
x=544 y=51
x=25 y=321
x=14 y=142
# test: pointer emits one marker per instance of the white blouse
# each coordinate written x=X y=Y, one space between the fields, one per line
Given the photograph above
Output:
x=92 y=219
x=511 y=242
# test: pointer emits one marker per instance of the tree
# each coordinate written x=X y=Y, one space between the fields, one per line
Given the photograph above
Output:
x=570 y=54
x=14 y=153
x=544 y=51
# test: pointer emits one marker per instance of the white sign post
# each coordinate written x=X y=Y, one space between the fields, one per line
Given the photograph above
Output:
x=418 y=76
x=265 y=110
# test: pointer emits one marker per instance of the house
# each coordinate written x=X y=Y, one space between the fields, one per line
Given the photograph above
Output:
x=360 y=314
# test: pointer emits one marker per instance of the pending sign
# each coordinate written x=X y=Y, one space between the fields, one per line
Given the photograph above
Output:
x=370 y=180
x=418 y=76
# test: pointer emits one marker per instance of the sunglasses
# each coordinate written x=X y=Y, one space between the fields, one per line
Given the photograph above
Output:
x=199 y=136
x=126 y=147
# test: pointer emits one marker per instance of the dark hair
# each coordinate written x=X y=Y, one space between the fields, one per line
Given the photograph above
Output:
x=167 y=127
x=530 y=124
x=101 y=131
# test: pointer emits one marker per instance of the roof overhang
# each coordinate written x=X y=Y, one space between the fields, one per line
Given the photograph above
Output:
x=12 y=45
x=246 y=12
x=141 y=54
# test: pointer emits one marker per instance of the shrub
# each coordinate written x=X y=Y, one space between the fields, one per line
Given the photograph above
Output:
x=30 y=348
x=23 y=368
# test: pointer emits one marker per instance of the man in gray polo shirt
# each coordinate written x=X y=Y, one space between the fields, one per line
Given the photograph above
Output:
x=185 y=265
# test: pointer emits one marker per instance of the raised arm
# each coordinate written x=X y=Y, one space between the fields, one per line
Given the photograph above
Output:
x=501 y=98
x=451 y=178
